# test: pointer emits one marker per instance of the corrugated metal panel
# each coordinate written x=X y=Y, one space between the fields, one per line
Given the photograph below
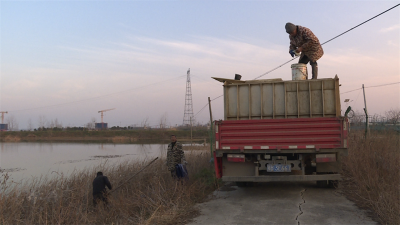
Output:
x=282 y=99
x=296 y=133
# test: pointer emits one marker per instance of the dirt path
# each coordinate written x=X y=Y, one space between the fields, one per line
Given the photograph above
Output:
x=280 y=203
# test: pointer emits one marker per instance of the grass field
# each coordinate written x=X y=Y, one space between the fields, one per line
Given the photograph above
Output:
x=152 y=197
x=372 y=174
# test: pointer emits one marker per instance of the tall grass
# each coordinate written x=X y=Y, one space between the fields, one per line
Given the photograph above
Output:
x=152 y=197
x=372 y=173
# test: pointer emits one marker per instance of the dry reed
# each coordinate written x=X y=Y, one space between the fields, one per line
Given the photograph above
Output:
x=372 y=174
x=152 y=197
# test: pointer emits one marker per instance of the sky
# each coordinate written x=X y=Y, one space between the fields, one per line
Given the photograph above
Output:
x=67 y=60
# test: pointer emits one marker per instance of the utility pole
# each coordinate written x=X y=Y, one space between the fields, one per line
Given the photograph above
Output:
x=211 y=127
x=366 y=114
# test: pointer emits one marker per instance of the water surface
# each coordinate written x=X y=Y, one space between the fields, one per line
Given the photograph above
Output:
x=23 y=161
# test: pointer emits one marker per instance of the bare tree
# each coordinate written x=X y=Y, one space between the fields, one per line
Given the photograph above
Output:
x=57 y=124
x=12 y=123
x=357 y=118
x=30 y=125
x=374 y=118
x=163 y=121
x=145 y=122
x=91 y=124
x=50 y=124
x=393 y=116
x=42 y=121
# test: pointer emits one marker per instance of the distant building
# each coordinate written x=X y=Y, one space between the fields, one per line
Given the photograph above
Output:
x=3 y=127
x=101 y=126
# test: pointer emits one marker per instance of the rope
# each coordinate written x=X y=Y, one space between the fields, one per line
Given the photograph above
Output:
x=133 y=175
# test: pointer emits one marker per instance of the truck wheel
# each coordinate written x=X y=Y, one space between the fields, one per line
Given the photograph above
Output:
x=241 y=184
x=322 y=183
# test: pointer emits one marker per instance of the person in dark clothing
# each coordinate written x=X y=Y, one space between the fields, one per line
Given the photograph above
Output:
x=99 y=188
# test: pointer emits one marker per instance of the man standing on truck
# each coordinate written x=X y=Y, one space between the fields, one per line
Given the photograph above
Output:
x=99 y=188
x=303 y=40
x=175 y=156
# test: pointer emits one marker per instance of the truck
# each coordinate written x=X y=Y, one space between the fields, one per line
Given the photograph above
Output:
x=275 y=130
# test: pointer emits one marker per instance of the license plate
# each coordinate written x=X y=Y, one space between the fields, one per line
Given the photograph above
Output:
x=279 y=168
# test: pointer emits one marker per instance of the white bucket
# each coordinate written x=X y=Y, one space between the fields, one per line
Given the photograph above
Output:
x=299 y=71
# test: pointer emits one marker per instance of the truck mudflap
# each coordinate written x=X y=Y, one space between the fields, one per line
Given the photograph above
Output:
x=283 y=178
x=218 y=165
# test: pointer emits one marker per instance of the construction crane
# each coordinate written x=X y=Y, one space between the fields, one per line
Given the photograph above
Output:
x=2 y=116
x=101 y=111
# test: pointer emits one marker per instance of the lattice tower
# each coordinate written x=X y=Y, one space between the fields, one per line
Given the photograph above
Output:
x=188 y=113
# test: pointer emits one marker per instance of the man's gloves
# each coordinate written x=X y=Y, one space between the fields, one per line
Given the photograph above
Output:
x=292 y=53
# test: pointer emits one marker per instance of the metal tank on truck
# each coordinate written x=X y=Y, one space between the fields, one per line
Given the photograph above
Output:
x=276 y=130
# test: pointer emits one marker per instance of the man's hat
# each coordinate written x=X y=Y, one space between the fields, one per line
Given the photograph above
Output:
x=290 y=27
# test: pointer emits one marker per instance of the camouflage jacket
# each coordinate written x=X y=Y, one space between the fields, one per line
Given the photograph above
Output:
x=175 y=156
x=308 y=42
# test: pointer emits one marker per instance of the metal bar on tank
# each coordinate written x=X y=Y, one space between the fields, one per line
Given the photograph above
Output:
x=249 y=103
x=226 y=102
x=284 y=85
x=298 y=104
x=273 y=100
x=323 y=99
x=261 y=104
x=309 y=93
x=237 y=103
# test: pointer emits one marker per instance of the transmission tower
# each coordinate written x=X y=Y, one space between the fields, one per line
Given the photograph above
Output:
x=188 y=115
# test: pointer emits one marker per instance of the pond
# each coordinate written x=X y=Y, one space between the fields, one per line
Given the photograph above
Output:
x=23 y=161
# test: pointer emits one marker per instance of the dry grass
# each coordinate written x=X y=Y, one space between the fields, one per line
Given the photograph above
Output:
x=152 y=197
x=372 y=174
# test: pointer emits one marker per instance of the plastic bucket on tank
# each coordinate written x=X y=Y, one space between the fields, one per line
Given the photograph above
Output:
x=299 y=71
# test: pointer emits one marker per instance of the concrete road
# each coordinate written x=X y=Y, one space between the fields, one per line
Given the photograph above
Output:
x=279 y=203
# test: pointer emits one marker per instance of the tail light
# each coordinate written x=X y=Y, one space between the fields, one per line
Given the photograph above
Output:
x=325 y=158
x=236 y=158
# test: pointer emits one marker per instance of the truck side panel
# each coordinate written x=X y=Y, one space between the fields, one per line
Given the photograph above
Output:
x=302 y=133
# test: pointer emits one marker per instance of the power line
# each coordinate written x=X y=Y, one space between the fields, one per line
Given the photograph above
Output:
x=329 y=40
x=350 y=91
x=217 y=97
x=207 y=105
x=380 y=85
x=99 y=97
x=360 y=24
